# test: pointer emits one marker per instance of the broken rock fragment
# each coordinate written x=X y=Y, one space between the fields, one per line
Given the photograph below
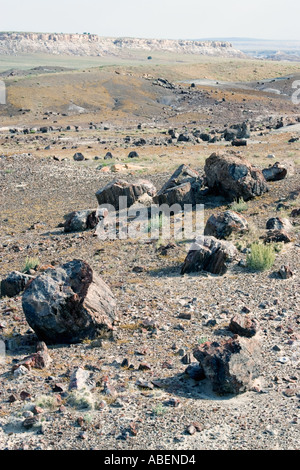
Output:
x=279 y=171
x=230 y=365
x=78 y=221
x=14 y=283
x=182 y=188
x=242 y=325
x=209 y=254
x=224 y=224
x=111 y=193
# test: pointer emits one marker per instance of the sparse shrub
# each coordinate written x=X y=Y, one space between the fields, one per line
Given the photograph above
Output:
x=81 y=400
x=202 y=340
x=239 y=206
x=30 y=263
x=159 y=410
x=261 y=258
x=47 y=401
x=156 y=223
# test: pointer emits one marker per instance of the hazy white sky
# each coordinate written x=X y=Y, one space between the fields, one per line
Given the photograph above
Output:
x=173 y=19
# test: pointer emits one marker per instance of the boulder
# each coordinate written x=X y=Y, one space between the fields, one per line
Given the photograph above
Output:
x=279 y=171
x=79 y=379
x=277 y=236
x=224 y=224
x=278 y=223
x=14 y=283
x=78 y=157
x=38 y=360
x=230 y=365
x=285 y=272
x=209 y=254
x=183 y=187
x=108 y=156
x=239 y=143
x=184 y=138
x=111 y=193
x=79 y=221
x=133 y=154
x=295 y=213
x=234 y=177
x=242 y=325
x=69 y=304
x=205 y=137
x=237 y=131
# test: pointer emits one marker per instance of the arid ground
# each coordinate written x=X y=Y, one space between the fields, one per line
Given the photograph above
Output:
x=118 y=108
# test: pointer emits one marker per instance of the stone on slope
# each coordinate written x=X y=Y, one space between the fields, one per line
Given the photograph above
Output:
x=14 y=283
x=224 y=224
x=69 y=304
x=230 y=365
x=239 y=143
x=38 y=360
x=182 y=188
x=111 y=193
x=237 y=131
x=285 y=272
x=277 y=236
x=78 y=157
x=279 y=171
x=242 y=325
x=234 y=177
x=79 y=379
x=209 y=254
x=279 y=223
x=78 y=221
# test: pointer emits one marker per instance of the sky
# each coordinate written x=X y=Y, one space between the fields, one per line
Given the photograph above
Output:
x=168 y=19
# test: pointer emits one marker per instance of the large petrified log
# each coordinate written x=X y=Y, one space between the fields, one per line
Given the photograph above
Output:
x=112 y=192
x=234 y=177
x=69 y=304
x=209 y=254
x=182 y=188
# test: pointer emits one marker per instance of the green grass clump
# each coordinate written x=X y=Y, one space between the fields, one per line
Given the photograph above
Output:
x=261 y=258
x=239 y=206
x=30 y=263
x=202 y=340
x=159 y=410
x=156 y=223
x=47 y=401
x=81 y=400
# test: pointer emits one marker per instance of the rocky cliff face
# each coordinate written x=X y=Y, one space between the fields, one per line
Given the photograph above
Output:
x=93 y=45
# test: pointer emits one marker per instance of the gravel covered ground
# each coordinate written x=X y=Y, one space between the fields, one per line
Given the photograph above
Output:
x=150 y=403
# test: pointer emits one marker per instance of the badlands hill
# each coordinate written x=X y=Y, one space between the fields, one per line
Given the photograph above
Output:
x=13 y=43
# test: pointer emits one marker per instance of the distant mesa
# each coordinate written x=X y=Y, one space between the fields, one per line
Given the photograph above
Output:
x=12 y=43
